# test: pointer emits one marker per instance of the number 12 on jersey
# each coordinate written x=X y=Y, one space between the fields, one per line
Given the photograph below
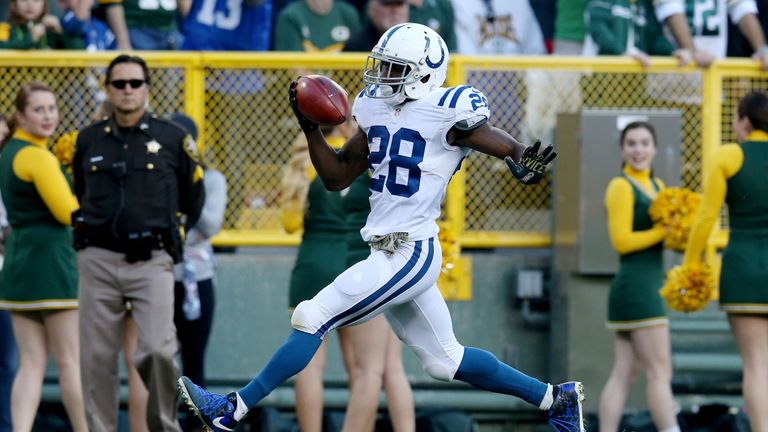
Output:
x=403 y=167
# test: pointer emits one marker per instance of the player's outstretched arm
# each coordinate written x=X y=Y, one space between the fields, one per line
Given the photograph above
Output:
x=526 y=163
x=338 y=169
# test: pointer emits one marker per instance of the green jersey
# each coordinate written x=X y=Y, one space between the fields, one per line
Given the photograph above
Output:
x=437 y=15
x=18 y=37
x=299 y=28
x=619 y=26
x=569 y=20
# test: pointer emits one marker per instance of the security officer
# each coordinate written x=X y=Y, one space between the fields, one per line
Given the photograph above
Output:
x=134 y=173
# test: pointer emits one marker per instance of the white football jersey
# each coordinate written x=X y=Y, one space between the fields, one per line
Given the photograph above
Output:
x=410 y=160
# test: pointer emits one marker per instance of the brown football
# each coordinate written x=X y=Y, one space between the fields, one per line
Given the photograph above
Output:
x=321 y=100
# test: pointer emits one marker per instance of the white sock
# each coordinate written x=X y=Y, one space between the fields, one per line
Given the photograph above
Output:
x=546 y=403
x=241 y=410
x=671 y=429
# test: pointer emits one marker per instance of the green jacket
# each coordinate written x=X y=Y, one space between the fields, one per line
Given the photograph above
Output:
x=18 y=37
x=618 y=25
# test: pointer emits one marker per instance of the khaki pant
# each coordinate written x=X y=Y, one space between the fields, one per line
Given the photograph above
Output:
x=106 y=282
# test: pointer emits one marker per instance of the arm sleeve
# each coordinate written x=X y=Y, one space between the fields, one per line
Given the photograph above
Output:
x=729 y=160
x=666 y=8
x=212 y=216
x=190 y=181
x=601 y=29
x=619 y=202
x=42 y=168
x=738 y=8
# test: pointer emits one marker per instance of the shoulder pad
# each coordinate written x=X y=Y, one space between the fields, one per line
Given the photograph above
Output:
x=465 y=99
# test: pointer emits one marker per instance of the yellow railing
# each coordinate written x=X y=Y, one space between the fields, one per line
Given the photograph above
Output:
x=239 y=101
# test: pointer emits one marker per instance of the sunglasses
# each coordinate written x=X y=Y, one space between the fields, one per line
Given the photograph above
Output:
x=120 y=84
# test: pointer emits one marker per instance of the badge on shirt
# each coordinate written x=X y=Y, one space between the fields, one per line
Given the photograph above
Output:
x=190 y=147
x=153 y=147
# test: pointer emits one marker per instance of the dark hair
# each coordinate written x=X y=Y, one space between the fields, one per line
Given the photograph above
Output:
x=13 y=13
x=125 y=58
x=754 y=105
x=637 y=125
x=21 y=102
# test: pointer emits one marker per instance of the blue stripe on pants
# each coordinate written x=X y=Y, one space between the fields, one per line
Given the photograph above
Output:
x=422 y=271
x=354 y=313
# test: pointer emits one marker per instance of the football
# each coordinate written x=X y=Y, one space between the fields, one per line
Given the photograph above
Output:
x=321 y=100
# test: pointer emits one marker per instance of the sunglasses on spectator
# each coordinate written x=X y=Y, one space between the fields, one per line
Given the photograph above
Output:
x=120 y=84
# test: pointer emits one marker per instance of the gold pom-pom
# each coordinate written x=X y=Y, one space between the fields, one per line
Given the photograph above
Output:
x=688 y=287
x=451 y=249
x=675 y=208
x=64 y=148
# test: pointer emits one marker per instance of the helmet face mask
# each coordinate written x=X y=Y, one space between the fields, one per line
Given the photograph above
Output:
x=409 y=61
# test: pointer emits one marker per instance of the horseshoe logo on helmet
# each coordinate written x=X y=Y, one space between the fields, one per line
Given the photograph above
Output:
x=426 y=51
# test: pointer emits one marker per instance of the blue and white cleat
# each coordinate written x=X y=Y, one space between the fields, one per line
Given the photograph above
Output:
x=565 y=414
x=215 y=411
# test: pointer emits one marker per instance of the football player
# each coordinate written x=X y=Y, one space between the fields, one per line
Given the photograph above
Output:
x=413 y=137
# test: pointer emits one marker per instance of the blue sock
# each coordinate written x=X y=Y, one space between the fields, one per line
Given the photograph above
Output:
x=287 y=361
x=483 y=370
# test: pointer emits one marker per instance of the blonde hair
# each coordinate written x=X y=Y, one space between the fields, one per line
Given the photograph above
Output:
x=295 y=182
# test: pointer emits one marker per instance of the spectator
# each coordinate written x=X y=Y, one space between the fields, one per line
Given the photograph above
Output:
x=552 y=92
x=127 y=237
x=8 y=350
x=78 y=22
x=315 y=25
x=437 y=15
x=738 y=46
x=30 y=26
x=704 y=40
x=143 y=24
x=737 y=178
x=331 y=242
x=569 y=27
x=38 y=282
x=229 y=25
x=382 y=14
x=194 y=297
x=624 y=27
x=635 y=308
x=497 y=27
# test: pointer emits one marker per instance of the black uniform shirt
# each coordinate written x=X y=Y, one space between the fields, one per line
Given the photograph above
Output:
x=139 y=177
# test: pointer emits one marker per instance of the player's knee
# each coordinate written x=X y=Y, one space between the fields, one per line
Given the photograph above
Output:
x=441 y=367
x=306 y=317
x=441 y=371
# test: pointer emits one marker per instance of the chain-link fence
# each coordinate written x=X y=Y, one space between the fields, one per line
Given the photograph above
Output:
x=240 y=101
